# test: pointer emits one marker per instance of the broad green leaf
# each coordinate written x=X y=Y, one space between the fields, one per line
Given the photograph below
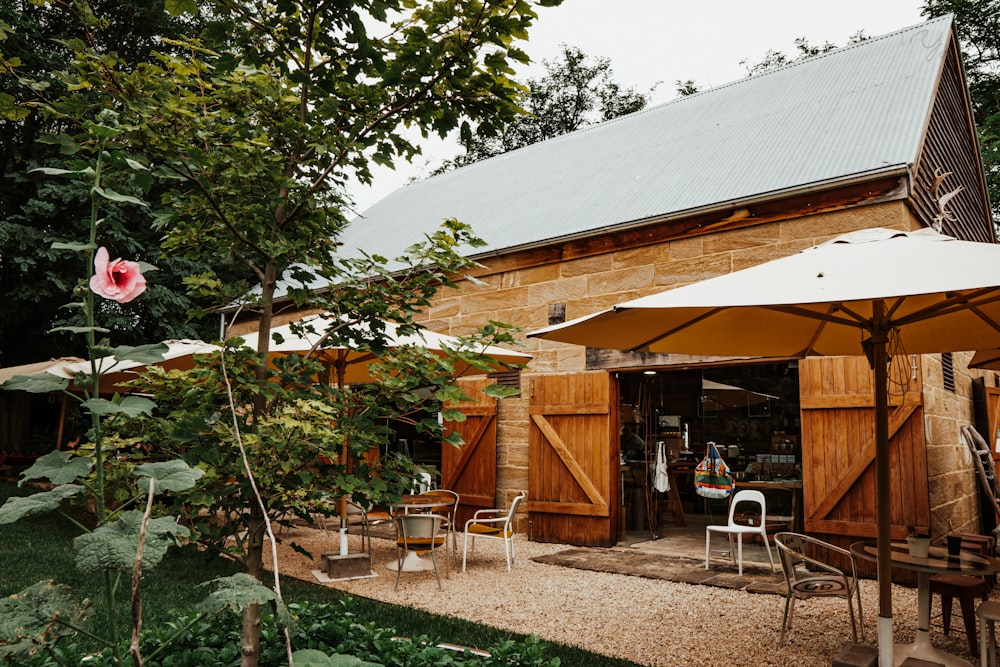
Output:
x=36 y=383
x=80 y=329
x=311 y=657
x=145 y=354
x=500 y=391
x=9 y=109
x=173 y=475
x=38 y=616
x=18 y=507
x=236 y=593
x=452 y=415
x=111 y=195
x=52 y=171
x=131 y=406
x=62 y=245
x=113 y=546
x=59 y=467
x=101 y=130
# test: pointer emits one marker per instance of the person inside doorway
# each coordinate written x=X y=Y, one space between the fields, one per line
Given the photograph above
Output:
x=633 y=446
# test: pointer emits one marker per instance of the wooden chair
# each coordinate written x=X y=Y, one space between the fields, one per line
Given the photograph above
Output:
x=964 y=587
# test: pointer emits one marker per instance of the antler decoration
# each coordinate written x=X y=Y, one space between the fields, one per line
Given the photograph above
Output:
x=942 y=200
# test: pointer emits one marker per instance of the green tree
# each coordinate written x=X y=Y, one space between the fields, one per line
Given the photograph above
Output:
x=773 y=59
x=978 y=24
x=255 y=130
x=35 y=40
x=576 y=91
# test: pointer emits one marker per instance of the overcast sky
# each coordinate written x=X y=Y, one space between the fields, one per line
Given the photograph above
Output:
x=650 y=41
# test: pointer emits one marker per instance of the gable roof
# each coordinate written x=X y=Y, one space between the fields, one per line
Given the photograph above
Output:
x=844 y=115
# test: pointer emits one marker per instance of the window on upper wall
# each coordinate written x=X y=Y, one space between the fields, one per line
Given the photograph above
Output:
x=557 y=313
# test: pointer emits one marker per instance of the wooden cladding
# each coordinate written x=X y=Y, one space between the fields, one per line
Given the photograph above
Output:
x=572 y=469
x=950 y=146
x=838 y=451
x=471 y=470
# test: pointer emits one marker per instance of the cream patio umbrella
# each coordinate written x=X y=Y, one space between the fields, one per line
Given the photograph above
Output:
x=988 y=360
x=169 y=355
x=351 y=366
x=874 y=291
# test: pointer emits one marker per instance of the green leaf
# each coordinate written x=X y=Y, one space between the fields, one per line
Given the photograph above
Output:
x=80 y=329
x=500 y=391
x=37 y=616
x=18 y=507
x=37 y=383
x=59 y=467
x=311 y=657
x=101 y=130
x=62 y=245
x=178 y=7
x=111 y=195
x=144 y=354
x=236 y=593
x=131 y=406
x=173 y=475
x=114 y=545
x=52 y=171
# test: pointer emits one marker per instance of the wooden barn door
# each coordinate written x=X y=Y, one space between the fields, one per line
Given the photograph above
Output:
x=471 y=470
x=838 y=451
x=572 y=479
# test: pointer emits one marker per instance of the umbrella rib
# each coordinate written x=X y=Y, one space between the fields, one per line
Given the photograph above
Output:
x=673 y=331
x=971 y=301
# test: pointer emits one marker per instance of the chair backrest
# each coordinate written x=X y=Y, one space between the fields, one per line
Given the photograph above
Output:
x=791 y=551
x=419 y=530
x=795 y=548
x=748 y=496
x=514 y=504
x=449 y=501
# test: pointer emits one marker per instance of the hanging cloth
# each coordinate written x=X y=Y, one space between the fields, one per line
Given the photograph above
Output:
x=661 y=480
x=712 y=478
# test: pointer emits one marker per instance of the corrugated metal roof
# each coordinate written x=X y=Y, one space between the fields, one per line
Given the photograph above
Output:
x=852 y=111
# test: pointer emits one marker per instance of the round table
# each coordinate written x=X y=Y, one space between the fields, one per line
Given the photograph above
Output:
x=938 y=561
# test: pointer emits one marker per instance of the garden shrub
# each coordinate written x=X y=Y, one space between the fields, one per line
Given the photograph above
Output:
x=331 y=628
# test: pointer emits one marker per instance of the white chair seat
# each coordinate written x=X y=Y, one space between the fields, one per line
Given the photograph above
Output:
x=732 y=528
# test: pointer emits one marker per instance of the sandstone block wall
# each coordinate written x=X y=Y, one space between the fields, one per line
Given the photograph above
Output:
x=952 y=478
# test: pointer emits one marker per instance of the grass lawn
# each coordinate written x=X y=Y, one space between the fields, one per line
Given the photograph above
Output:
x=40 y=548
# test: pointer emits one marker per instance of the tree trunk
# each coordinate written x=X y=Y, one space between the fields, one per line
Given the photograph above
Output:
x=250 y=652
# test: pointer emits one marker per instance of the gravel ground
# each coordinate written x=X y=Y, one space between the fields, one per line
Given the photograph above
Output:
x=651 y=622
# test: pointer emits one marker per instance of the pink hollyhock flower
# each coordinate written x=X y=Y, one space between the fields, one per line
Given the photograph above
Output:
x=119 y=280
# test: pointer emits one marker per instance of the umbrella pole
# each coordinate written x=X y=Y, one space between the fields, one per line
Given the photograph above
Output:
x=341 y=371
x=879 y=341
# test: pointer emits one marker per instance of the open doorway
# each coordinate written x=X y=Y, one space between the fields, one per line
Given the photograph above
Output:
x=751 y=413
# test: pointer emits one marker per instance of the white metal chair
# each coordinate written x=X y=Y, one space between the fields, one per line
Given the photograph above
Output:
x=417 y=534
x=495 y=524
x=988 y=613
x=746 y=496
x=819 y=578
